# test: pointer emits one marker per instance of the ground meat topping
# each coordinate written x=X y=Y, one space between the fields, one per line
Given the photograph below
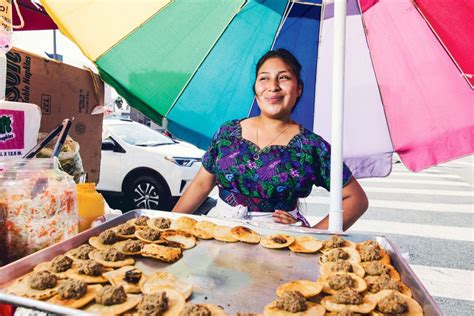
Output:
x=91 y=268
x=279 y=240
x=370 y=253
x=126 y=229
x=341 y=265
x=110 y=295
x=132 y=276
x=61 y=263
x=383 y=282
x=334 y=242
x=42 y=280
x=347 y=296
x=132 y=246
x=372 y=243
x=150 y=234
x=83 y=251
x=153 y=304
x=72 y=289
x=291 y=301
x=162 y=223
x=340 y=281
x=195 y=310
x=141 y=220
x=376 y=268
x=112 y=254
x=393 y=303
x=336 y=254
x=345 y=313
x=108 y=237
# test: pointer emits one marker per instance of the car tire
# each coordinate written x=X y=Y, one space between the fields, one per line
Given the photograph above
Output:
x=147 y=192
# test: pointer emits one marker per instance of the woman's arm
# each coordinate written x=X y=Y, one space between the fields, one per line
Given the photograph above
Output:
x=196 y=193
x=354 y=204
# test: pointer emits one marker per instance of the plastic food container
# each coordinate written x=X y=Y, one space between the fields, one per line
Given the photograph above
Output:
x=38 y=207
x=90 y=203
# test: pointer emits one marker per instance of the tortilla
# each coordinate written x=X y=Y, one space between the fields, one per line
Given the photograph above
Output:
x=89 y=279
x=77 y=302
x=120 y=246
x=385 y=256
x=368 y=304
x=306 y=244
x=163 y=253
x=222 y=233
x=116 y=309
x=354 y=256
x=347 y=243
x=184 y=223
x=186 y=239
x=161 y=279
x=176 y=302
x=97 y=256
x=359 y=283
x=245 y=234
x=97 y=243
x=326 y=268
x=138 y=234
x=305 y=287
x=313 y=309
x=116 y=277
x=393 y=273
x=276 y=241
x=204 y=229
x=152 y=222
x=133 y=220
x=414 y=308
x=21 y=287
x=403 y=288
x=48 y=267
x=73 y=255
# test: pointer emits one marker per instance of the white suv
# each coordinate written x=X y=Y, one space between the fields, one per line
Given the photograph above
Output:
x=143 y=166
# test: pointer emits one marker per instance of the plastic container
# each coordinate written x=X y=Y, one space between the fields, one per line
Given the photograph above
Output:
x=91 y=204
x=38 y=206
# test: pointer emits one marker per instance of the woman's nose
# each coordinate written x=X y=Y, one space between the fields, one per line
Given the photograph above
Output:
x=273 y=85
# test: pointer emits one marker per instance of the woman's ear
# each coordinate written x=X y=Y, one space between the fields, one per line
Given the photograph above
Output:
x=300 y=89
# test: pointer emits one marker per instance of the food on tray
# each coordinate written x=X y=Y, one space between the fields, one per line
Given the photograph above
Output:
x=112 y=300
x=277 y=241
x=337 y=241
x=129 y=277
x=385 y=282
x=375 y=268
x=350 y=300
x=341 y=265
x=39 y=285
x=159 y=280
x=163 y=253
x=223 y=233
x=348 y=253
x=159 y=223
x=125 y=231
x=140 y=221
x=130 y=247
x=371 y=251
x=148 y=234
x=191 y=309
x=306 y=244
x=394 y=303
x=184 y=223
x=293 y=303
x=166 y=302
x=204 y=230
x=89 y=271
x=187 y=240
x=80 y=253
x=105 y=239
x=111 y=258
x=59 y=265
x=305 y=287
x=336 y=281
x=245 y=234
x=74 y=293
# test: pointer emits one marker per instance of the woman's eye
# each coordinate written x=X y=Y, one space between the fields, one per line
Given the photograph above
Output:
x=262 y=78
x=284 y=77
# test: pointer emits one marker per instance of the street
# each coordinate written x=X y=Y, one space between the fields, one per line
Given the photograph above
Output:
x=429 y=215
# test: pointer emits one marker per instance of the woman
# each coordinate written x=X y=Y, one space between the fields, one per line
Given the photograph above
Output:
x=262 y=165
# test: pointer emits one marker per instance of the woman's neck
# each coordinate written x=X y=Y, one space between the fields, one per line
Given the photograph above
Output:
x=274 y=122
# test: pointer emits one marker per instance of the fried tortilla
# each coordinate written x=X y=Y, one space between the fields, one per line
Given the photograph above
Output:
x=97 y=256
x=118 y=277
x=391 y=270
x=159 y=223
x=384 y=256
x=358 y=283
x=204 y=230
x=245 y=234
x=48 y=267
x=163 y=253
x=190 y=309
x=82 y=250
x=116 y=309
x=141 y=235
x=184 y=223
x=352 y=255
x=368 y=304
x=276 y=241
x=414 y=308
x=222 y=233
x=306 y=244
x=337 y=241
x=187 y=240
x=77 y=302
x=21 y=287
x=159 y=280
x=139 y=222
x=329 y=267
x=312 y=309
x=120 y=246
x=148 y=303
x=306 y=287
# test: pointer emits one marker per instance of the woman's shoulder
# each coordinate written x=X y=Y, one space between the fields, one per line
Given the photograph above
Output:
x=312 y=138
x=229 y=128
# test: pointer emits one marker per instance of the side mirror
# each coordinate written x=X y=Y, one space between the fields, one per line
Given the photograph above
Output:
x=108 y=145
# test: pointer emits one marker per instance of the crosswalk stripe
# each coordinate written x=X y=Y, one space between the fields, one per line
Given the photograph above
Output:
x=419 y=191
x=403 y=205
x=446 y=282
x=414 y=181
x=423 y=175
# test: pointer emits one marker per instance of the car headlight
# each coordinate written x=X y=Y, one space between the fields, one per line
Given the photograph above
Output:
x=183 y=161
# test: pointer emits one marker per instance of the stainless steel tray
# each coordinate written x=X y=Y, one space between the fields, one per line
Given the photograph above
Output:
x=237 y=276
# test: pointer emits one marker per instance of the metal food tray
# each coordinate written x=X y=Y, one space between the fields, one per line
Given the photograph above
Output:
x=239 y=277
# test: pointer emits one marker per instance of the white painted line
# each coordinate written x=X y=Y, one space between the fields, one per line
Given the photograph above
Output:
x=419 y=191
x=403 y=205
x=414 y=181
x=445 y=282
x=459 y=163
x=423 y=175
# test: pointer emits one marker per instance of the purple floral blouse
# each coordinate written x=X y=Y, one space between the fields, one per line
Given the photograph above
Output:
x=273 y=178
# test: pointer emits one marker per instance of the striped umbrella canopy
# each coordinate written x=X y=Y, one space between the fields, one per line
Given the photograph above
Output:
x=408 y=77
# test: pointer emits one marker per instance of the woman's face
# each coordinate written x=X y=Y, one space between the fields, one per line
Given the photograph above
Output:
x=276 y=88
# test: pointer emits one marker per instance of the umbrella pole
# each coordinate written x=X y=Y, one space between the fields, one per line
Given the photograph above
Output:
x=335 y=210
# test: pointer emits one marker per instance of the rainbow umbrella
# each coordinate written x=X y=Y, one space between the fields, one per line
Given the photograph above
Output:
x=408 y=78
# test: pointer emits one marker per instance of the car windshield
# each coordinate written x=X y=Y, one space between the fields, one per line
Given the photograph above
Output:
x=140 y=135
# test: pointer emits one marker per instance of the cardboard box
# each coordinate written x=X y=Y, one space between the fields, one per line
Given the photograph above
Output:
x=62 y=91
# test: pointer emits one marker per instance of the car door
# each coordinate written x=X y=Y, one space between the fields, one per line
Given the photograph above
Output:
x=110 y=165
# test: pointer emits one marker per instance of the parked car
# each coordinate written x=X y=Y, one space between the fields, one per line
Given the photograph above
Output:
x=144 y=167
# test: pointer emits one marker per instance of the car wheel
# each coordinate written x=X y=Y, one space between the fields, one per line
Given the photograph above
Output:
x=148 y=193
